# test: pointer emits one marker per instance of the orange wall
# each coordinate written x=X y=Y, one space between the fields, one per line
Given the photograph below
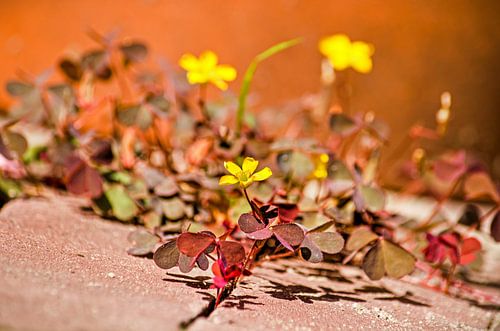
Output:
x=422 y=49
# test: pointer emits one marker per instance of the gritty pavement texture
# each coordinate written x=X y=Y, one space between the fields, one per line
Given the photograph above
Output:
x=64 y=269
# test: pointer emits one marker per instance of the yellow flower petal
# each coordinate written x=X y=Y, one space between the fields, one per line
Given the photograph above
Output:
x=225 y=72
x=249 y=165
x=208 y=60
x=219 y=83
x=189 y=62
x=228 y=180
x=233 y=168
x=361 y=56
x=337 y=49
x=262 y=175
x=196 y=77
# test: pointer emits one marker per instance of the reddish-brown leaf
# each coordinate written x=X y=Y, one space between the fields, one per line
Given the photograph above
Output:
x=232 y=252
x=193 y=244
x=82 y=179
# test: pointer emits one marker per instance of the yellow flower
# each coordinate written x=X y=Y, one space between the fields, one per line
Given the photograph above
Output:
x=205 y=69
x=245 y=175
x=321 y=162
x=342 y=53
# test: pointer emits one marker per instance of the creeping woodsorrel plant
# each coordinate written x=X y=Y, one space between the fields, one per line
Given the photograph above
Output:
x=148 y=147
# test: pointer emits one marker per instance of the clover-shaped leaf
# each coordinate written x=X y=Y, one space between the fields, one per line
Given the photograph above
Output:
x=193 y=244
x=386 y=258
x=316 y=243
x=359 y=238
x=288 y=234
x=143 y=242
x=167 y=255
x=232 y=252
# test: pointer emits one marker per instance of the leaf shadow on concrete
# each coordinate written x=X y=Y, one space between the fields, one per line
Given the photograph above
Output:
x=307 y=294
x=197 y=282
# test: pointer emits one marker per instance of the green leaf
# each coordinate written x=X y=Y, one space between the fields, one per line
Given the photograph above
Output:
x=124 y=208
x=247 y=79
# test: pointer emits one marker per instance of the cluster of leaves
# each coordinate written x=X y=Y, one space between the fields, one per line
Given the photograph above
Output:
x=144 y=147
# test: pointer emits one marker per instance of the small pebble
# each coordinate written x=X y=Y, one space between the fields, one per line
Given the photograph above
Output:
x=111 y=275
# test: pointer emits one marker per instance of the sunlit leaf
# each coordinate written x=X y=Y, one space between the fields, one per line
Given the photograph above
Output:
x=261 y=234
x=309 y=251
x=124 y=208
x=143 y=242
x=327 y=242
x=369 y=198
x=359 y=238
x=232 y=252
x=468 y=250
x=386 y=258
x=193 y=244
x=248 y=223
x=289 y=235
x=167 y=255
x=480 y=185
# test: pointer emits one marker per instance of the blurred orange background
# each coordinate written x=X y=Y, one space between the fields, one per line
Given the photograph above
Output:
x=422 y=50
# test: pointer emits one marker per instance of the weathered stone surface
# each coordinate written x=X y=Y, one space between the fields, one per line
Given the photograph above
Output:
x=294 y=295
x=63 y=270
